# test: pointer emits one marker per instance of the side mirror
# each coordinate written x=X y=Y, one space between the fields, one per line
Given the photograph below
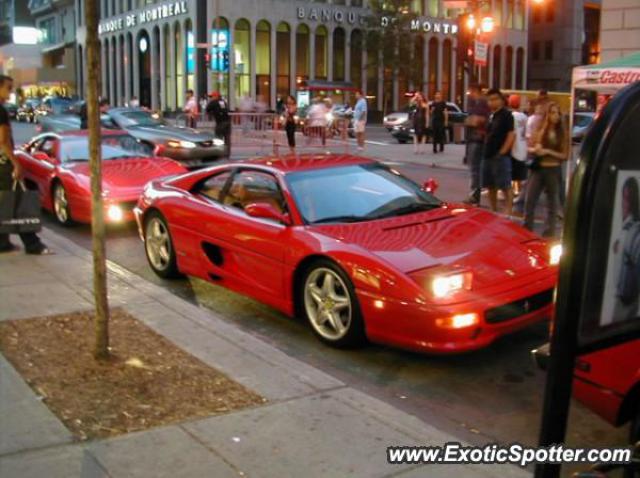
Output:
x=431 y=185
x=264 y=210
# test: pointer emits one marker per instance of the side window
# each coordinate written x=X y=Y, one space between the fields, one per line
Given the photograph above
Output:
x=212 y=187
x=254 y=187
x=48 y=146
x=34 y=146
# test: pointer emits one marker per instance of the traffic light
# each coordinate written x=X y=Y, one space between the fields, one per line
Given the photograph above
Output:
x=207 y=61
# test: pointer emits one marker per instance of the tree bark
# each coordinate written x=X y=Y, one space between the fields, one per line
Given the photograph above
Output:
x=101 y=323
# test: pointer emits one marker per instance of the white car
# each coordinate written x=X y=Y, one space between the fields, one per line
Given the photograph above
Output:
x=400 y=117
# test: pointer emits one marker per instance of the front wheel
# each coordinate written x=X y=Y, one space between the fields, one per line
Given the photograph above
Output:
x=158 y=246
x=330 y=304
x=61 y=207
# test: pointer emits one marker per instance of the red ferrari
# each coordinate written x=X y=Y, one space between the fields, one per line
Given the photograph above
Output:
x=358 y=249
x=57 y=164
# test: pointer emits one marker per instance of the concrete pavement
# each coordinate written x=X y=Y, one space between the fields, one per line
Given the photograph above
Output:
x=312 y=425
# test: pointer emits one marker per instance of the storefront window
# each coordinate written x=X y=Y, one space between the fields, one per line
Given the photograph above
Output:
x=169 y=86
x=508 y=68
x=190 y=53
x=302 y=53
x=447 y=80
x=263 y=61
x=497 y=59
x=339 y=44
x=179 y=70
x=520 y=69
x=219 y=59
x=321 y=53
x=356 y=58
x=242 y=52
x=283 y=59
x=433 y=67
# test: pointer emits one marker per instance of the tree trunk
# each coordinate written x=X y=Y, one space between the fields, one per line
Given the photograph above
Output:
x=101 y=347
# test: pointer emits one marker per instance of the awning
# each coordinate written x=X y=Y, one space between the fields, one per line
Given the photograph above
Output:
x=57 y=46
x=329 y=85
x=608 y=77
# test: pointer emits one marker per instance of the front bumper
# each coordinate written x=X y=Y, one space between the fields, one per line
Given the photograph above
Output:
x=413 y=326
x=195 y=156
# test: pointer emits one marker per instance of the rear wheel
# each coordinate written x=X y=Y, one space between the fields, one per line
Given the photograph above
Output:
x=61 y=205
x=158 y=246
x=330 y=304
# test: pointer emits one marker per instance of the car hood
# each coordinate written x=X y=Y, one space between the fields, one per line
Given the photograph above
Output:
x=171 y=132
x=127 y=177
x=448 y=238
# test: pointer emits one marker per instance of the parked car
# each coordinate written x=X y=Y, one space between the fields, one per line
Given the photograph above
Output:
x=353 y=246
x=57 y=165
x=12 y=110
x=191 y=147
x=581 y=123
x=27 y=111
x=403 y=132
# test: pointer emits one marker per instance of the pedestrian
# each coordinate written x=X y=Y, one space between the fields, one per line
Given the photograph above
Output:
x=10 y=171
x=104 y=105
x=420 y=121
x=476 y=123
x=134 y=102
x=360 y=119
x=496 y=163
x=550 y=150
x=518 y=150
x=191 y=110
x=280 y=106
x=84 y=122
x=317 y=117
x=290 y=112
x=439 y=122
x=218 y=110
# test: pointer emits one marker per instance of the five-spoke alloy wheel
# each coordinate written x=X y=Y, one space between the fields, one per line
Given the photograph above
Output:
x=61 y=205
x=159 y=246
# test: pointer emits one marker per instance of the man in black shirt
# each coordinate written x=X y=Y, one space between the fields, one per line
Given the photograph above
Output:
x=10 y=170
x=496 y=165
x=218 y=110
x=439 y=122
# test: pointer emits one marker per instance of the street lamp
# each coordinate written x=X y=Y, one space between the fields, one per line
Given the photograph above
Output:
x=487 y=24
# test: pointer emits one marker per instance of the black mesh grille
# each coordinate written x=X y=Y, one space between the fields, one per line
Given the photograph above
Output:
x=519 y=307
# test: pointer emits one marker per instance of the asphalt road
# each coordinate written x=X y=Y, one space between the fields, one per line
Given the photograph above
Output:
x=486 y=396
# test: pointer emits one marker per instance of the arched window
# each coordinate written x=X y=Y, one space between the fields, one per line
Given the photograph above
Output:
x=179 y=65
x=302 y=53
x=220 y=55
x=190 y=54
x=169 y=85
x=447 y=79
x=121 y=78
x=508 y=83
x=322 y=53
x=114 y=73
x=263 y=61
x=129 y=62
x=497 y=65
x=339 y=44
x=520 y=69
x=356 y=57
x=433 y=67
x=283 y=59
x=242 y=57
x=143 y=49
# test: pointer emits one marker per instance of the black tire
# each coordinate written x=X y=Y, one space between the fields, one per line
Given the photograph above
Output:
x=62 y=212
x=167 y=268
x=354 y=332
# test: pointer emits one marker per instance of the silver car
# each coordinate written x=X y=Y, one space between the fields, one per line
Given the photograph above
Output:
x=190 y=146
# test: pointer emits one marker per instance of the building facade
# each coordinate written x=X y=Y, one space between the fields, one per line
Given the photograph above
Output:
x=562 y=34
x=269 y=48
x=620 y=28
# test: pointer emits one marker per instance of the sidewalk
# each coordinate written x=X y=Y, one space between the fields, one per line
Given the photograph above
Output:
x=312 y=425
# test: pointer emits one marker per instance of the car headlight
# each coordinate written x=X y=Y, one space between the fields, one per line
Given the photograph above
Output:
x=445 y=285
x=218 y=142
x=181 y=144
x=114 y=213
x=555 y=253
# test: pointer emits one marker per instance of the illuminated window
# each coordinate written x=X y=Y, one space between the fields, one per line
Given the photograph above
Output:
x=321 y=53
x=242 y=52
x=263 y=61
x=283 y=58
x=302 y=52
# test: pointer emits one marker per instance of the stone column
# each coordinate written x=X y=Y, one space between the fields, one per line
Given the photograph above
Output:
x=425 y=65
x=453 y=73
x=273 y=66
x=440 y=64
x=163 y=71
x=155 y=70
x=127 y=68
x=252 y=63
x=380 y=91
x=118 y=99
x=232 y=68
x=312 y=54
x=292 y=60
x=173 y=103
x=347 y=55
x=330 y=55
x=104 y=53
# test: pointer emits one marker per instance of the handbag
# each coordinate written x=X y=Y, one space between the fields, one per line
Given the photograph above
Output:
x=19 y=210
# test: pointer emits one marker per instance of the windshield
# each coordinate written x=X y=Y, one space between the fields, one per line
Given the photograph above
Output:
x=582 y=120
x=138 y=118
x=113 y=147
x=356 y=193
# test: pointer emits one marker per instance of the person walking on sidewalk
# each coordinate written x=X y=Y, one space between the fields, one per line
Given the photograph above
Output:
x=420 y=121
x=360 y=119
x=10 y=171
x=551 y=150
x=476 y=124
x=518 y=151
x=218 y=110
x=290 y=112
x=439 y=122
x=191 y=109
x=496 y=164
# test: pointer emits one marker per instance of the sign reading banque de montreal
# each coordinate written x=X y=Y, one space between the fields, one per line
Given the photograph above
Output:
x=152 y=14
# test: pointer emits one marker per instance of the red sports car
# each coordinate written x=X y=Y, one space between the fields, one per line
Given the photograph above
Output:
x=57 y=164
x=355 y=247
